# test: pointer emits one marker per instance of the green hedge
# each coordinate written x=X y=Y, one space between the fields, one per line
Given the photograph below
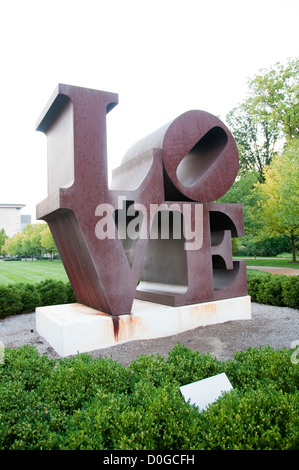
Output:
x=24 y=298
x=271 y=289
x=84 y=403
x=274 y=289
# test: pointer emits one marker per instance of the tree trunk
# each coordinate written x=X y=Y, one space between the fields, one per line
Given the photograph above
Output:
x=293 y=249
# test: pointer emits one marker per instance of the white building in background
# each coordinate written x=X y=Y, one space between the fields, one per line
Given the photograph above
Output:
x=25 y=220
x=11 y=219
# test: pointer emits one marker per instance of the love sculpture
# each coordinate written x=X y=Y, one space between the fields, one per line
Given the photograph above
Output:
x=113 y=242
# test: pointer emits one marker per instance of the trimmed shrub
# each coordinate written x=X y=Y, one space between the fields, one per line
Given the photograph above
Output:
x=84 y=403
x=254 y=281
x=262 y=419
x=70 y=293
x=52 y=292
x=290 y=292
x=188 y=366
x=79 y=378
x=274 y=289
x=270 y=290
x=10 y=300
x=263 y=366
x=24 y=298
x=30 y=297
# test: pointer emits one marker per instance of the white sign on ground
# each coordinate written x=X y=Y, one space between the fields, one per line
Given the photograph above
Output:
x=204 y=392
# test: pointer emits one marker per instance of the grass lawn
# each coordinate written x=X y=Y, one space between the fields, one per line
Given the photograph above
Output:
x=31 y=271
x=36 y=271
x=271 y=262
x=258 y=272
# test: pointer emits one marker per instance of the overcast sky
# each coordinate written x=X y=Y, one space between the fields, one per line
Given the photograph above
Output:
x=162 y=57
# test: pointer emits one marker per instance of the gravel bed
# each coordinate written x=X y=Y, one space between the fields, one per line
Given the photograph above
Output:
x=274 y=326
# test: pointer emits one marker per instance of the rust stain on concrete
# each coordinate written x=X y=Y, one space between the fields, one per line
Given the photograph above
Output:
x=115 y=322
x=125 y=326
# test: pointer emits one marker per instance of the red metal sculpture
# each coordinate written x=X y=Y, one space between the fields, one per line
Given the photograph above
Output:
x=155 y=234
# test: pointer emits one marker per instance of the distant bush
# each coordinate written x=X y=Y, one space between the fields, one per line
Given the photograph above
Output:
x=290 y=292
x=272 y=246
x=80 y=403
x=254 y=281
x=52 y=292
x=271 y=289
x=10 y=300
x=70 y=293
x=30 y=297
x=274 y=289
x=24 y=298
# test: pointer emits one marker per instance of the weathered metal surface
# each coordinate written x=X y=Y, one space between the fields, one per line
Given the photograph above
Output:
x=199 y=155
x=192 y=161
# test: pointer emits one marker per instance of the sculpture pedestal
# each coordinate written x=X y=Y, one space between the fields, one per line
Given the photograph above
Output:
x=75 y=328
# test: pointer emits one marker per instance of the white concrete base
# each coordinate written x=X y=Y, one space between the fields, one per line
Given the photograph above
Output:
x=75 y=328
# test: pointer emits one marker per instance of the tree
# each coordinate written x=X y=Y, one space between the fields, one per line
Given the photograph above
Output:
x=244 y=192
x=28 y=242
x=35 y=239
x=3 y=237
x=274 y=98
x=27 y=246
x=47 y=241
x=14 y=246
x=280 y=195
x=268 y=117
x=256 y=141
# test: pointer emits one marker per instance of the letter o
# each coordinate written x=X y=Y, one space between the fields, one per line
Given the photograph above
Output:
x=200 y=157
x=199 y=154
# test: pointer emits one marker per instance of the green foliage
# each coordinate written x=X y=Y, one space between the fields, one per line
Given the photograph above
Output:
x=23 y=298
x=254 y=281
x=32 y=241
x=255 y=139
x=3 y=238
x=82 y=403
x=52 y=292
x=30 y=297
x=266 y=119
x=244 y=192
x=267 y=366
x=69 y=293
x=47 y=241
x=187 y=365
x=269 y=115
x=290 y=292
x=271 y=246
x=279 y=205
x=10 y=300
x=274 y=289
x=260 y=419
x=13 y=246
x=274 y=98
x=270 y=290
